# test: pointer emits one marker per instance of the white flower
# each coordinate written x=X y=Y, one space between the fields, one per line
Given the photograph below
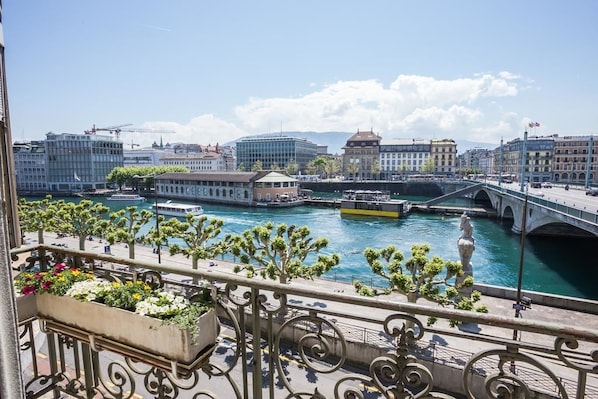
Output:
x=162 y=304
x=88 y=290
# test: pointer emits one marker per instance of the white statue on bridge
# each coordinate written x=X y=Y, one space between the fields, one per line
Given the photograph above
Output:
x=466 y=245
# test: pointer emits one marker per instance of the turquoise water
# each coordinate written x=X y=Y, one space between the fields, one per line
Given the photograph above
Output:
x=550 y=265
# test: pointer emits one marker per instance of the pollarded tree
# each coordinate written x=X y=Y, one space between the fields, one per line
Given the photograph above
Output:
x=82 y=220
x=198 y=233
x=39 y=216
x=281 y=253
x=421 y=277
x=125 y=225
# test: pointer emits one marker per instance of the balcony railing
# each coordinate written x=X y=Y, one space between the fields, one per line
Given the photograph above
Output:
x=312 y=340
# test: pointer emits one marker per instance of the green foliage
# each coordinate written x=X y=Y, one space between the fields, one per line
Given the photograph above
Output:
x=126 y=295
x=292 y=167
x=82 y=220
x=421 y=276
x=126 y=223
x=280 y=253
x=39 y=216
x=257 y=166
x=198 y=234
x=122 y=175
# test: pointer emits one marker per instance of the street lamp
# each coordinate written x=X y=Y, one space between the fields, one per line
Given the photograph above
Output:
x=153 y=176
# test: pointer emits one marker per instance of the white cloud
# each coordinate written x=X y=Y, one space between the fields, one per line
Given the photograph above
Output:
x=411 y=106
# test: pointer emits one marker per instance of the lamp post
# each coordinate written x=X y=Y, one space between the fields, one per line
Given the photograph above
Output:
x=157 y=221
x=155 y=210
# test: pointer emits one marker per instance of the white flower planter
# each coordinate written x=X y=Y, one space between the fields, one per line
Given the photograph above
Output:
x=130 y=329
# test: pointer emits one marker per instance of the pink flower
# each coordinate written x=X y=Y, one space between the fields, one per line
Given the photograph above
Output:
x=46 y=285
x=59 y=267
x=28 y=290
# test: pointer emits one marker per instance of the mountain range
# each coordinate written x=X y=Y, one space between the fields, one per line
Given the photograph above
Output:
x=336 y=140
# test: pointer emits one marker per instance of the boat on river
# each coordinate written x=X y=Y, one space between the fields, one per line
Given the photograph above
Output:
x=176 y=209
x=126 y=197
x=373 y=203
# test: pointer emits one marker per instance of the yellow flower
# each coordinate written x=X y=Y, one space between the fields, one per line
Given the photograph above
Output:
x=136 y=297
x=115 y=284
x=61 y=278
x=147 y=287
x=76 y=272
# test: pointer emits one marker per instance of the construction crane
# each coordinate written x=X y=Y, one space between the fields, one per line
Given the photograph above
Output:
x=116 y=130
x=110 y=129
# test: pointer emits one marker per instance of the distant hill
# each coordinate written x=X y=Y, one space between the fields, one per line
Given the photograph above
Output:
x=336 y=140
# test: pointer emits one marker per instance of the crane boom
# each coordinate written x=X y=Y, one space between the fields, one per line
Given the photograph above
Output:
x=116 y=130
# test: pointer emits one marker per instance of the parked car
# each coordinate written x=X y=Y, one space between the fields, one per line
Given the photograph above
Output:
x=593 y=191
x=536 y=184
x=547 y=184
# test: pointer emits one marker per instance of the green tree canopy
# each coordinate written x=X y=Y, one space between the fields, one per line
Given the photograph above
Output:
x=280 y=253
x=257 y=166
x=39 y=216
x=125 y=225
x=122 y=175
x=87 y=218
x=420 y=277
x=198 y=234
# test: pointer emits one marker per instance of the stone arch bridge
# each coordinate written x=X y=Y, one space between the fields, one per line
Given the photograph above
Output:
x=543 y=217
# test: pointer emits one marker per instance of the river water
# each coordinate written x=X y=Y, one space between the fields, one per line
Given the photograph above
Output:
x=560 y=266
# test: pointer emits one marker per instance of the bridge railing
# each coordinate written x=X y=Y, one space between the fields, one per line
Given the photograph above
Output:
x=573 y=211
x=305 y=340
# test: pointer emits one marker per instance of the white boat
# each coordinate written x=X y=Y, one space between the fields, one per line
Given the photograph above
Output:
x=176 y=209
x=126 y=197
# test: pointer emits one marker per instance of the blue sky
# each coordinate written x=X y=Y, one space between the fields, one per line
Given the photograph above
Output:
x=214 y=71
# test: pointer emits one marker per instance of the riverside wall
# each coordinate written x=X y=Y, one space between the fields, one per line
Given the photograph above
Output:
x=433 y=188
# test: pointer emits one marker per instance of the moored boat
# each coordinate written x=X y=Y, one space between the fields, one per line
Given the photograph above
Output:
x=372 y=203
x=176 y=209
x=126 y=197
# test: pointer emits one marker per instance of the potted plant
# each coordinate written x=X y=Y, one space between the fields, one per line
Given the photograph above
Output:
x=157 y=321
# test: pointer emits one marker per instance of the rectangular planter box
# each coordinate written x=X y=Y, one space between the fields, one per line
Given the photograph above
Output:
x=128 y=328
x=26 y=308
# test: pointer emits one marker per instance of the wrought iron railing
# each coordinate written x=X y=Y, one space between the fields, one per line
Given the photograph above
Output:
x=309 y=341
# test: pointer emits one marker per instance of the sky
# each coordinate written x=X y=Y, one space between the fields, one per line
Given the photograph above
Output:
x=210 y=72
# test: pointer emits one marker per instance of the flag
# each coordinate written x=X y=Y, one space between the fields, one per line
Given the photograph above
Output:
x=77 y=177
x=531 y=124
x=537 y=124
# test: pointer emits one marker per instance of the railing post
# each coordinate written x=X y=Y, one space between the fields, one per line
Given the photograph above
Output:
x=257 y=349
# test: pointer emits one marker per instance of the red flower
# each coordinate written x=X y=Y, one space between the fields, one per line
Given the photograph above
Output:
x=46 y=285
x=59 y=267
x=28 y=290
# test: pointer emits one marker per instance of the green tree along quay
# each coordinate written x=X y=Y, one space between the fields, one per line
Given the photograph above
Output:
x=420 y=277
x=257 y=166
x=122 y=175
x=39 y=216
x=332 y=167
x=198 y=233
x=280 y=254
x=82 y=220
x=292 y=167
x=125 y=225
